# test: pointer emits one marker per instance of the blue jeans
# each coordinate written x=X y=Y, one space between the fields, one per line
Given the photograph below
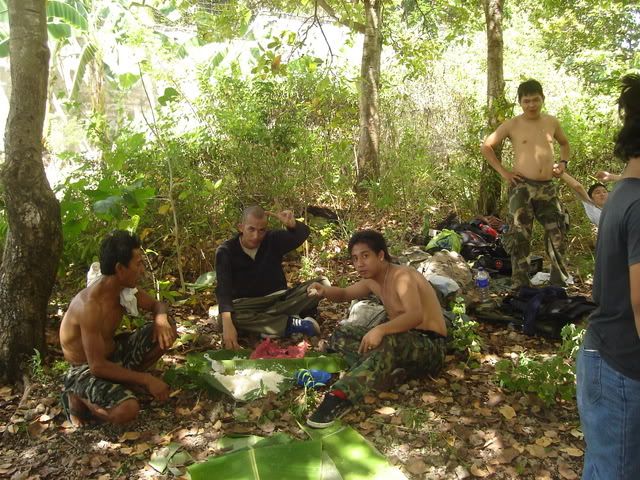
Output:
x=609 y=406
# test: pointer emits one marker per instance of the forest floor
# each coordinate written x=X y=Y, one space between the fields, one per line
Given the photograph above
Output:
x=459 y=425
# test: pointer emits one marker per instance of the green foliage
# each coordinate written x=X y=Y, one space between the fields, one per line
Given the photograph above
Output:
x=549 y=378
x=41 y=372
x=91 y=208
x=36 y=366
x=268 y=121
x=572 y=336
x=165 y=293
x=604 y=40
x=60 y=367
x=306 y=402
x=466 y=339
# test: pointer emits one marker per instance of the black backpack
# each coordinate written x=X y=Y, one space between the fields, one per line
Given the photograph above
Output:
x=545 y=311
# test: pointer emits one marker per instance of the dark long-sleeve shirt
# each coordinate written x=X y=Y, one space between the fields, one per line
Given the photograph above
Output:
x=238 y=275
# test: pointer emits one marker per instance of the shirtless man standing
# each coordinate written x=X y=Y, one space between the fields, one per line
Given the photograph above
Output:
x=104 y=365
x=533 y=193
x=411 y=342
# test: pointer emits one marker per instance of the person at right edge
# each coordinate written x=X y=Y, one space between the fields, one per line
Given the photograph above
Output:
x=533 y=192
x=608 y=364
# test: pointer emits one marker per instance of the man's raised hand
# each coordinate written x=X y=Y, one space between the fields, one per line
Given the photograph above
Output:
x=607 y=177
x=286 y=217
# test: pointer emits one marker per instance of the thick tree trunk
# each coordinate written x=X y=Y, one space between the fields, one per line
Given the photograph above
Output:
x=489 y=199
x=34 y=239
x=368 y=143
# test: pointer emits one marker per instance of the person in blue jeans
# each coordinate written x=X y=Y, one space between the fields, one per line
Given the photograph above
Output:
x=608 y=365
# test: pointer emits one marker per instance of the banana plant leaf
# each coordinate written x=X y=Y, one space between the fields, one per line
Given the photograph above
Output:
x=335 y=453
x=354 y=457
x=233 y=360
x=231 y=443
x=197 y=372
x=299 y=460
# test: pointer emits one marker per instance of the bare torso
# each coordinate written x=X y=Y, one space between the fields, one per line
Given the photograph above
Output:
x=96 y=300
x=432 y=318
x=532 y=141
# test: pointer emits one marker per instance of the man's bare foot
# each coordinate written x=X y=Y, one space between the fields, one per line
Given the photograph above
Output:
x=322 y=346
x=78 y=413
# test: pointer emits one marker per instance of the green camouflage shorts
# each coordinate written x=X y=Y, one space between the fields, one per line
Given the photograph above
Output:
x=131 y=349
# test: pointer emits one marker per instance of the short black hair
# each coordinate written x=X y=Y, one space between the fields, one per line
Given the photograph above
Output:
x=530 y=87
x=627 y=144
x=117 y=247
x=593 y=187
x=373 y=239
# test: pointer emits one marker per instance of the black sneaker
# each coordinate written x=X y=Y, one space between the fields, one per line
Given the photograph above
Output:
x=331 y=409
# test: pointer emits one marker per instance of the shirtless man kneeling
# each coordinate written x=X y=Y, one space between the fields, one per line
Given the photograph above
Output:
x=533 y=193
x=104 y=366
x=411 y=342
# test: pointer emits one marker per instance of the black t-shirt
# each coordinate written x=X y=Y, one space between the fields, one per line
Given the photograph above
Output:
x=238 y=275
x=612 y=329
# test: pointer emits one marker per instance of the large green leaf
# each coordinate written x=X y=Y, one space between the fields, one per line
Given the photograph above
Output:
x=59 y=30
x=353 y=455
x=109 y=208
x=68 y=12
x=88 y=55
x=4 y=47
x=229 y=444
x=299 y=460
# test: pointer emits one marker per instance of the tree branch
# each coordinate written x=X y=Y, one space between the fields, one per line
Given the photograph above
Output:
x=357 y=26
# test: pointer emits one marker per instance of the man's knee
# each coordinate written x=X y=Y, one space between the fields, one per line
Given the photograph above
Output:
x=124 y=412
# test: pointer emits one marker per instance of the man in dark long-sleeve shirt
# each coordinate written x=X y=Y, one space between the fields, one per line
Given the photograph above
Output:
x=252 y=289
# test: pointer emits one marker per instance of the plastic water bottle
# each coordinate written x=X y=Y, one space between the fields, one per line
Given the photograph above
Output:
x=482 y=284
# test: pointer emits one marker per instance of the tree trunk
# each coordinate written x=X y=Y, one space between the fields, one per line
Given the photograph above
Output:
x=489 y=198
x=368 y=143
x=34 y=239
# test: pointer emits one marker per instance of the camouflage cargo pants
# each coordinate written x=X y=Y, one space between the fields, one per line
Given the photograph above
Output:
x=528 y=200
x=419 y=353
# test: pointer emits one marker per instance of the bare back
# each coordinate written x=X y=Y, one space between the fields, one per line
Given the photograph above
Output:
x=532 y=141
x=432 y=318
x=96 y=305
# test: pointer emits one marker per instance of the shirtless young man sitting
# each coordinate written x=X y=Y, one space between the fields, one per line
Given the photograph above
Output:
x=533 y=193
x=104 y=366
x=411 y=342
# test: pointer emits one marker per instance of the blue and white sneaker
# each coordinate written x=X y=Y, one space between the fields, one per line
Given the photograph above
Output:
x=307 y=326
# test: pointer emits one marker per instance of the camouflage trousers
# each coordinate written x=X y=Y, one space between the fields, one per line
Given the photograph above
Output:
x=528 y=200
x=270 y=314
x=420 y=353
x=131 y=350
